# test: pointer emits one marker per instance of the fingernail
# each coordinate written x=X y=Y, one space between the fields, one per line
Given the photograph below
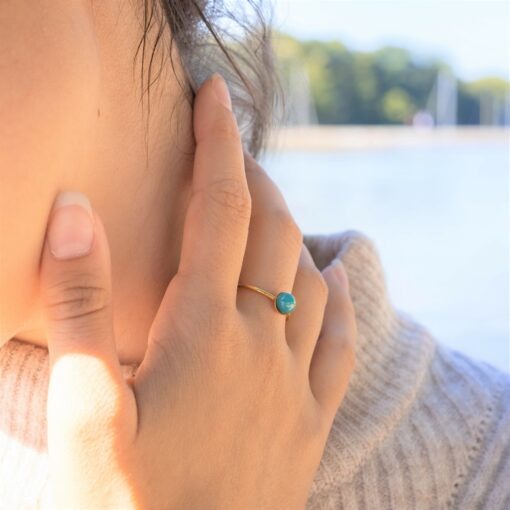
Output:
x=221 y=91
x=71 y=229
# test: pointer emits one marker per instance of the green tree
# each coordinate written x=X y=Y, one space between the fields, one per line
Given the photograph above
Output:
x=397 y=105
x=382 y=87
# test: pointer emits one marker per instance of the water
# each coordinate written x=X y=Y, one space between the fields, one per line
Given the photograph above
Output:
x=440 y=220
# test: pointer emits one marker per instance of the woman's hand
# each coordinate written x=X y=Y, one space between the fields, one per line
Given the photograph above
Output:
x=232 y=405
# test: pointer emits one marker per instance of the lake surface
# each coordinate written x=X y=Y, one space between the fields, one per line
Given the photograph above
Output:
x=439 y=218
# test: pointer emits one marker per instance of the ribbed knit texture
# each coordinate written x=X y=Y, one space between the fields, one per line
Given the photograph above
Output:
x=421 y=427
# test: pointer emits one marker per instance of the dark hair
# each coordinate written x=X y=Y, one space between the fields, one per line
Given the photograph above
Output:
x=214 y=35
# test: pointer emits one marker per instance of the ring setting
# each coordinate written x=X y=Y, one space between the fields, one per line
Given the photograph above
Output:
x=284 y=302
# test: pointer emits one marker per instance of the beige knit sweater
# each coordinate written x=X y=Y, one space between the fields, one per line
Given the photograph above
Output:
x=421 y=427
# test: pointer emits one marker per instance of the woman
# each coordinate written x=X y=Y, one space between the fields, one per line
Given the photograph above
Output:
x=420 y=426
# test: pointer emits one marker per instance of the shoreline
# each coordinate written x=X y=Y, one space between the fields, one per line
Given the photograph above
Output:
x=334 y=138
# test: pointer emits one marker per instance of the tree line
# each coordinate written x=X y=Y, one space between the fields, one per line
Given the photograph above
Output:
x=386 y=86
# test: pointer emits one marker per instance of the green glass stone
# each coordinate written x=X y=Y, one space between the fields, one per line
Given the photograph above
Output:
x=285 y=302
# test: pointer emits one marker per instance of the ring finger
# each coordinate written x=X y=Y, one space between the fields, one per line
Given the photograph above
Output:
x=273 y=247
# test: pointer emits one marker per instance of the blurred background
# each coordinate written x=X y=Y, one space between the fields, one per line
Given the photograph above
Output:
x=397 y=123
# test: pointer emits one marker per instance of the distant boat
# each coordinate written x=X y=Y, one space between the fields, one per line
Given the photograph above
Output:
x=443 y=100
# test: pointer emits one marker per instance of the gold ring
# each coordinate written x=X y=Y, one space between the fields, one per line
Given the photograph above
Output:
x=284 y=302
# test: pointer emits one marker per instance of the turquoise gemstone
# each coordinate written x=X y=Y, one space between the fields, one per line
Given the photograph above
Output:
x=285 y=302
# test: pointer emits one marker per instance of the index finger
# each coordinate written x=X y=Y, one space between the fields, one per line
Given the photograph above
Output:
x=218 y=216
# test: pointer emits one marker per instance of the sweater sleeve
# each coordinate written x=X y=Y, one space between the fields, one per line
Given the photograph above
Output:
x=422 y=426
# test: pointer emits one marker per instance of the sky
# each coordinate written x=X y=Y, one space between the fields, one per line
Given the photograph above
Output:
x=473 y=36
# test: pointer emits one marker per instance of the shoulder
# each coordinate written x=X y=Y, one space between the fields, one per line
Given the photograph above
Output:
x=438 y=439
x=480 y=395
x=422 y=425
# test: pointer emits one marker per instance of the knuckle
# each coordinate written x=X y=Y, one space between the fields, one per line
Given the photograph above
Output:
x=347 y=346
x=164 y=350
x=349 y=335
x=312 y=426
x=348 y=353
x=233 y=196
x=342 y=344
x=73 y=298
x=350 y=347
x=314 y=279
x=322 y=286
x=287 y=227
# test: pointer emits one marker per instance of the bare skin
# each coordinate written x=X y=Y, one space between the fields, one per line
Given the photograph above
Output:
x=241 y=397
x=72 y=119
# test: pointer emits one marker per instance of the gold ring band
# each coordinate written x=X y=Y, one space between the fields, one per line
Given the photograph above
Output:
x=258 y=289
x=284 y=302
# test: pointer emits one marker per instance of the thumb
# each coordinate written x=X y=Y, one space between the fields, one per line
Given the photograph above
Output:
x=86 y=382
